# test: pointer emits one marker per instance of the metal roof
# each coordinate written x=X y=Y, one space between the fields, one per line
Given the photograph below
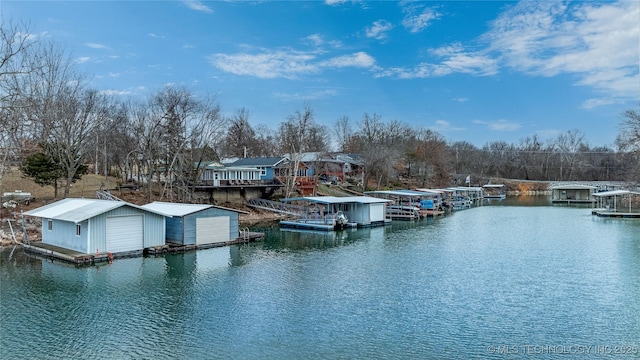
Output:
x=261 y=161
x=337 y=199
x=180 y=209
x=432 y=191
x=573 y=186
x=409 y=193
x=466 y=188
x=493 y=185
x=77 y=209
x=615 y=193
x=175 y=209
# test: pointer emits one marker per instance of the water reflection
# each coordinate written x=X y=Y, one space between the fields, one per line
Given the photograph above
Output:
x=520 y=200
x=443 y=288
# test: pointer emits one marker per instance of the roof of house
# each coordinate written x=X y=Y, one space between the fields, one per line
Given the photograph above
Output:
x=261 y=161
x=79 y=209
x=179 y=209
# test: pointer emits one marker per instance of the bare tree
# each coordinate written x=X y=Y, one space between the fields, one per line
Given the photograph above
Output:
x=175 y=128
x=265 y=142
x=342 y=130
x=628 y=141
x=293 y=135
x=240 y=138
x=569 y=145
x=14 y=46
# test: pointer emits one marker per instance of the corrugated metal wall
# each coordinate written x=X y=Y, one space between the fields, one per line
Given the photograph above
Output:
x=63 y=234
x=154 y=229
x=190 y=223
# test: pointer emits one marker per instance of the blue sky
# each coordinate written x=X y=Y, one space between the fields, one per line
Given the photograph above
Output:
x=477 y=71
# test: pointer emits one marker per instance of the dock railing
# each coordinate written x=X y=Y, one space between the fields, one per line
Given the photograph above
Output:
x=276 y=206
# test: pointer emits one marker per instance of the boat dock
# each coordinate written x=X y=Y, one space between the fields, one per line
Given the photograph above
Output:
x=70 y=256
x=313 y=224
x=611 y=203
x=329 y=213
x=613 y=214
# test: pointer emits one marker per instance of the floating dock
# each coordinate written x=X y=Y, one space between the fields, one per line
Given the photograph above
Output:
x=58 y=253
x=613 y=214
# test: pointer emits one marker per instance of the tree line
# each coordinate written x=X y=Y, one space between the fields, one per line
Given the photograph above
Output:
x=57 y=128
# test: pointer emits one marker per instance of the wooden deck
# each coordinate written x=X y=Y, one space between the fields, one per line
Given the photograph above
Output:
x=58 y=253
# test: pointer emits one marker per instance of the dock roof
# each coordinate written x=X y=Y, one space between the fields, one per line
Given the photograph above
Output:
x=406 y=193
x=573 y=187
x=79 y=209
x=615 y=193
x=180 y=209
x=432 y=191
x=337 y=199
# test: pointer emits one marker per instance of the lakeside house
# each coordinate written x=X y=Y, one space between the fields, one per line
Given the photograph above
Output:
x=90 y=226
x=573 y=193
x=331 y=167
x=197 y=224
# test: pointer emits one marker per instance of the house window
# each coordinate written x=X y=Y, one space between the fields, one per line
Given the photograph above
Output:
x=49 y=225
x=78 y=229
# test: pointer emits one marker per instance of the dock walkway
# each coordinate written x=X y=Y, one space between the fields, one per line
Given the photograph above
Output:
x=614 y=214
x=58 y=253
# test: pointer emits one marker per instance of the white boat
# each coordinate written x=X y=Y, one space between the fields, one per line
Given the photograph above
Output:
x=328 y=222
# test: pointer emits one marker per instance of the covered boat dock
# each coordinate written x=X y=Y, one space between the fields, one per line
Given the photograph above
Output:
x=328 y=212
x=613 y=204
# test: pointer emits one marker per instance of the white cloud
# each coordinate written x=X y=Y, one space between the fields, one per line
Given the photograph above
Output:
x=83 y=59
x=267 y=65
x=444 y=125
x=335 y=2
x=455 y=60
x=460 y=99
x=592 y=103
x=379 y=29
x=307 y=97
x=417 y=19
x=315 y=39
x=198 y=6
x=96 y=46
x=595 y=41
x=116 y=92
x=359 y=59
x=285 y=64
x=499 y=125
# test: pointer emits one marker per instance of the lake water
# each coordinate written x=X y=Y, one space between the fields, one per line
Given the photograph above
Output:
x=516 y=278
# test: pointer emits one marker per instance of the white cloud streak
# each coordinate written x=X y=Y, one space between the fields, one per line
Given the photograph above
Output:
x=285 y=64
x=96 y=46
x=499 y=125
x=197 y=6
x=416 y=19
x=598 y=42
x=378 y=30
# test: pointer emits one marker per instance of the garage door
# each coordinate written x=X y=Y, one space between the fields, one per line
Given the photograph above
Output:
x=125 y=233
x=212 y=230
